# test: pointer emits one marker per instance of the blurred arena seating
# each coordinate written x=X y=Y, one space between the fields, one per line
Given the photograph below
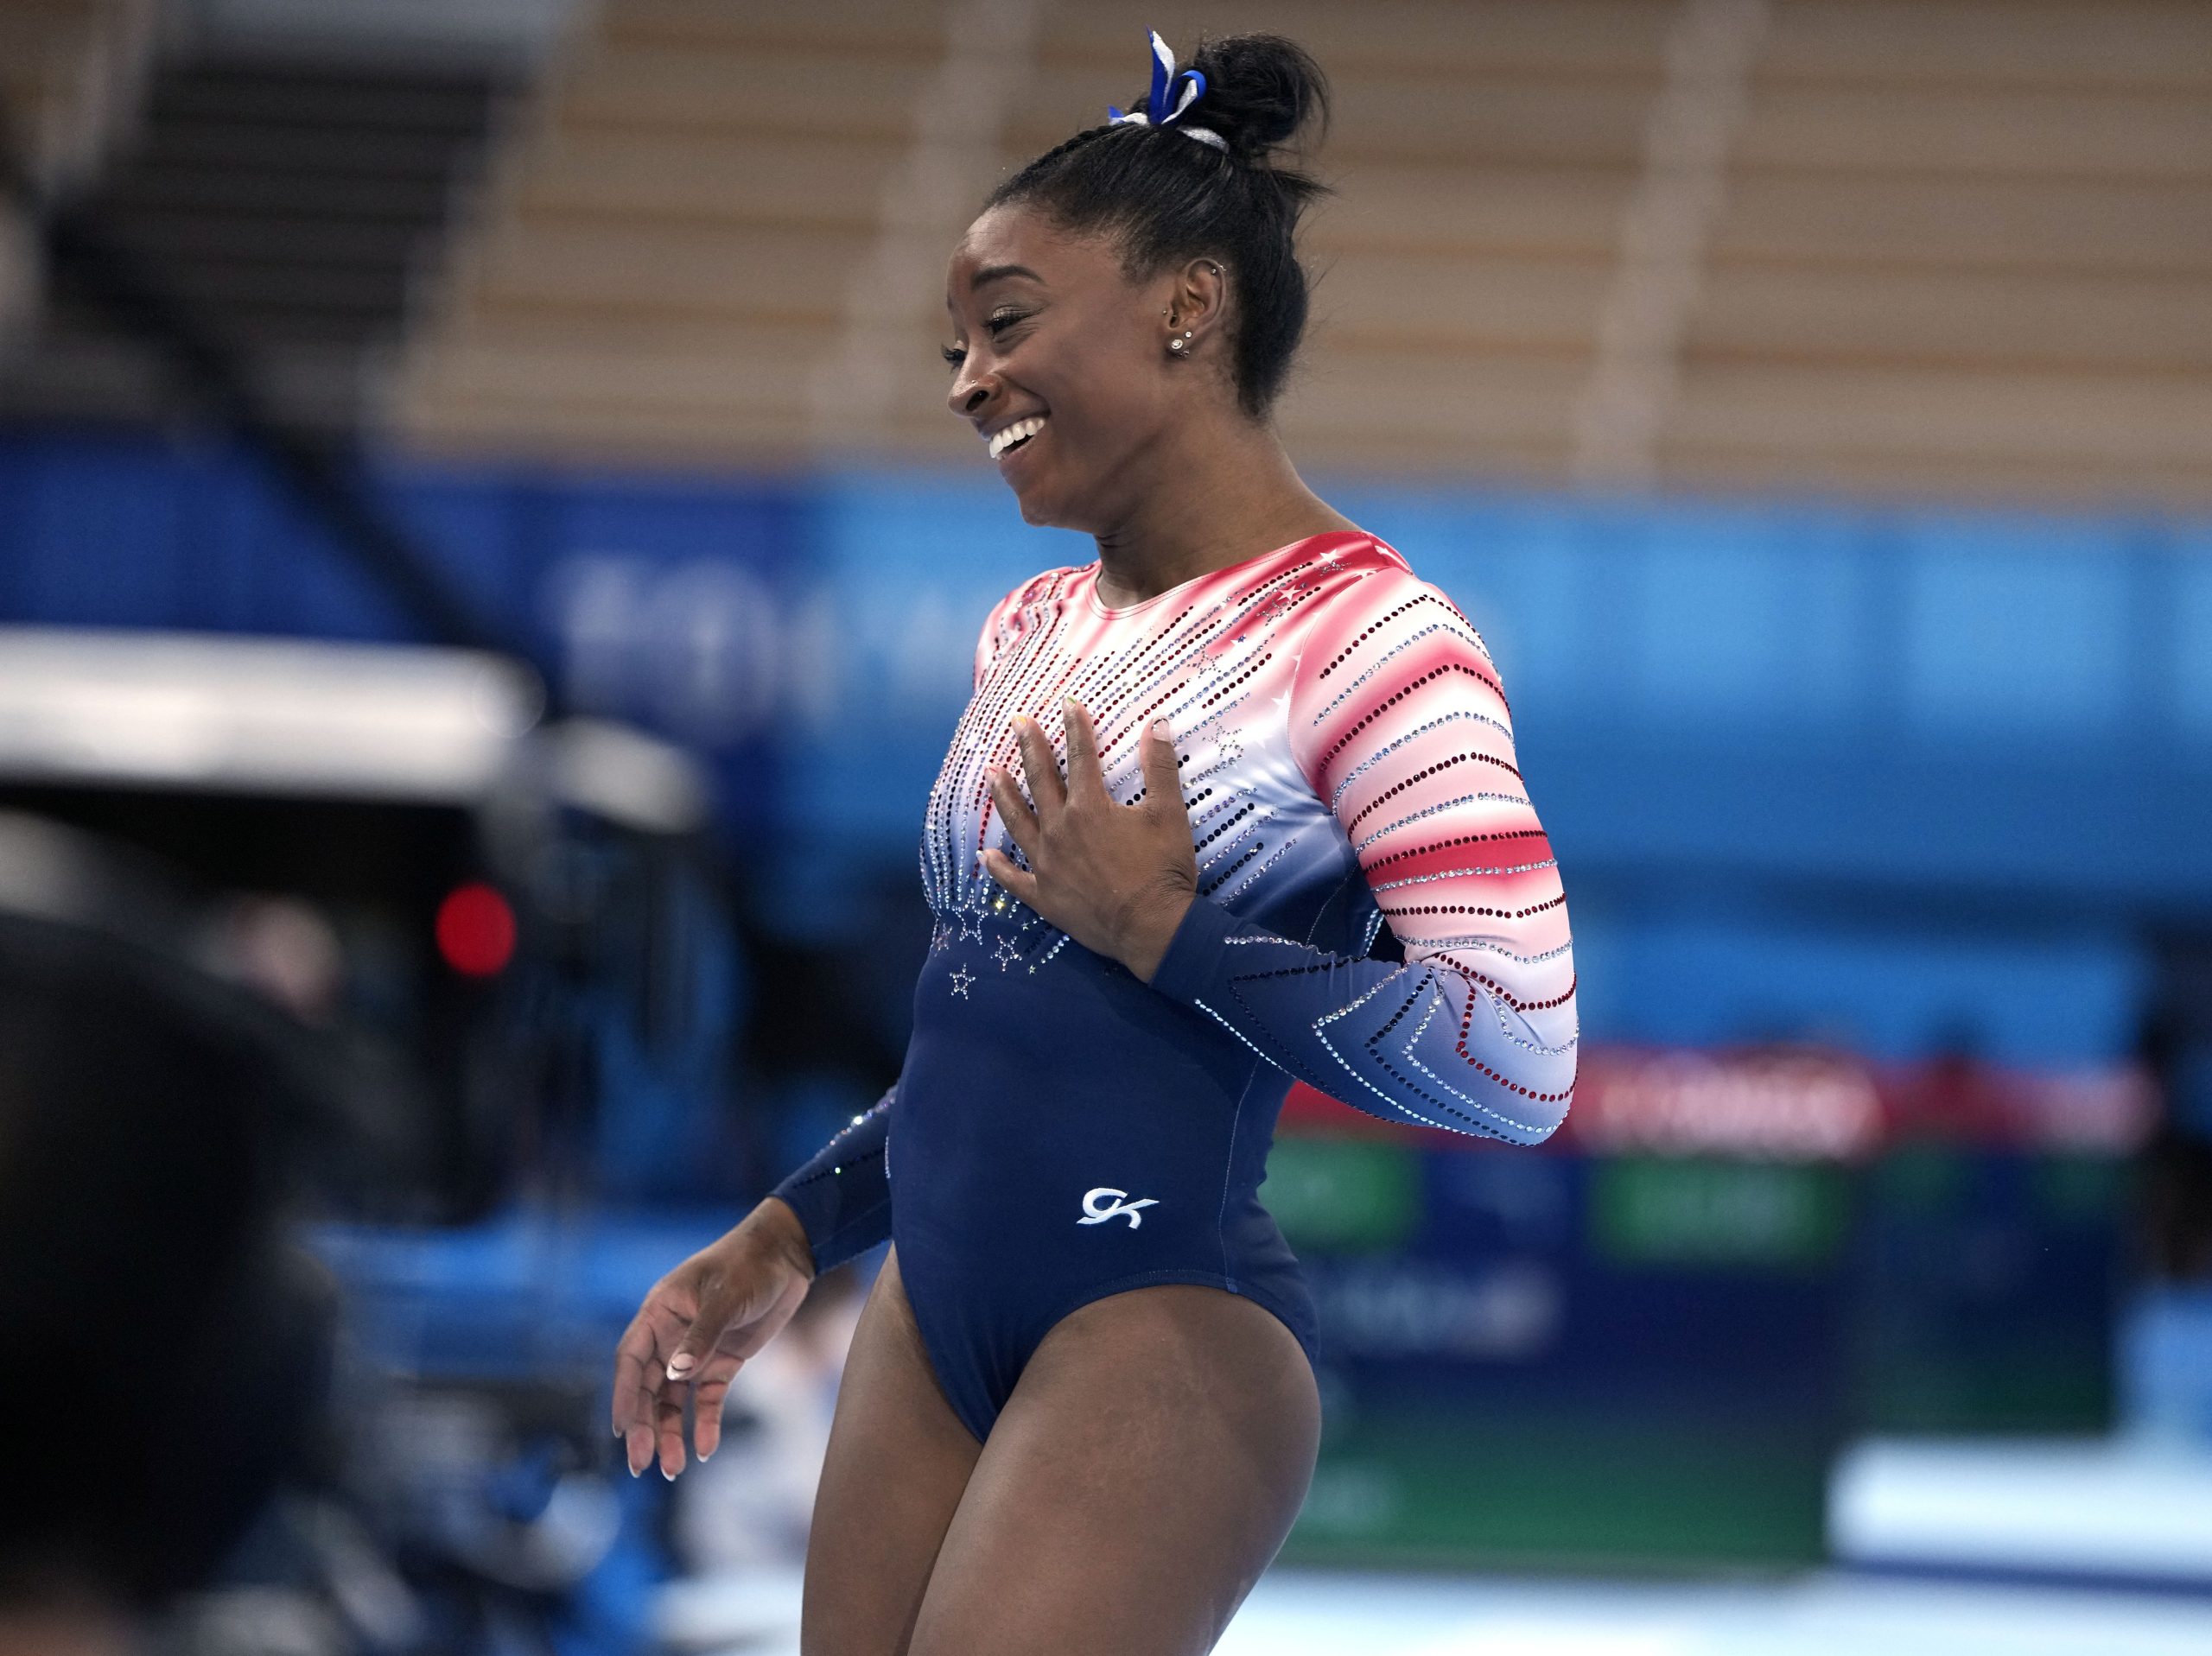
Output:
x=289 y=203
x=664 y=250
x=69 y=73
x=1949 y=248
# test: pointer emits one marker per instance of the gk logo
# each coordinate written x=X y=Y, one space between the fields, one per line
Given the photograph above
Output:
x=1106 y=1202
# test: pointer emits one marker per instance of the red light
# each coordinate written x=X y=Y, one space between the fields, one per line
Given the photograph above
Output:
x=476 y=930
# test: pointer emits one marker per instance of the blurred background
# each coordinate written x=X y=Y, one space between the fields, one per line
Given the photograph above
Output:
x=486 y=578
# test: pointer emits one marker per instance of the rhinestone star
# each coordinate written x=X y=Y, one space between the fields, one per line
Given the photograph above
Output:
x=962 y=977
x=1005 y=954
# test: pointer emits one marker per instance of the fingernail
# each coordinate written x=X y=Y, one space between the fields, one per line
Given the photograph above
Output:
x=669 y=1476
x=1159 y=729
x=679 y=1365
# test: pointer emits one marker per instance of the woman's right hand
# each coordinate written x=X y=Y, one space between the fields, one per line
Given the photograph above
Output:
x=696 y=1330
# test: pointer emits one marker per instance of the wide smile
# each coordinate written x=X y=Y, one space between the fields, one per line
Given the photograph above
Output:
x=1017 y=438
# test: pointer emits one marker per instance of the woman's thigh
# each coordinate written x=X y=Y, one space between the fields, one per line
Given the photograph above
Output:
x=1143 y=1473
x=898 y=1462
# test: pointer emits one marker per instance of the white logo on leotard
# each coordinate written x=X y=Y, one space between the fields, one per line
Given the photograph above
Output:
x=1106 y=1202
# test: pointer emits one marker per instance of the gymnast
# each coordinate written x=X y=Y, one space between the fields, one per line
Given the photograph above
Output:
x=1196 y=779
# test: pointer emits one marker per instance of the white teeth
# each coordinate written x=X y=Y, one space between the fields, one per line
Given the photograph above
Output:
x=1015 y=432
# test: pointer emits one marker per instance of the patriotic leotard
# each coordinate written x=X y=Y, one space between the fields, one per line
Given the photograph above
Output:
x=1062 y=1131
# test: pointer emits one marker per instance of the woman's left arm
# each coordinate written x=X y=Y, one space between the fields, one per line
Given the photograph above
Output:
x=1398 y=721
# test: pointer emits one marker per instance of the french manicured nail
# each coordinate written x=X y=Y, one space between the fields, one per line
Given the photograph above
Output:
x=679 y=1365
x=1159 y=729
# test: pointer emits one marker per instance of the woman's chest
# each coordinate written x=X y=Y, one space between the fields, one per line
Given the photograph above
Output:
x=1220 y=675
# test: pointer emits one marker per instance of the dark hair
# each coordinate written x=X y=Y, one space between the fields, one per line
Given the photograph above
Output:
x=1167 y=198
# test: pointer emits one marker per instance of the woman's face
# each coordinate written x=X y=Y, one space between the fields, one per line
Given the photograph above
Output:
x=1050 y=337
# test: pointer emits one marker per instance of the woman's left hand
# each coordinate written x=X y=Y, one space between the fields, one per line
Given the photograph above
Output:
x=1118 y=879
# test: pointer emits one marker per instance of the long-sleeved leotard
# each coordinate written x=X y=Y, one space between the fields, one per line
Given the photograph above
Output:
x=842 y=1192
x=1062 y=1130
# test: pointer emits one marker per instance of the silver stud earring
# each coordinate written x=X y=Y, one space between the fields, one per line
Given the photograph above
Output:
x=1179 y=345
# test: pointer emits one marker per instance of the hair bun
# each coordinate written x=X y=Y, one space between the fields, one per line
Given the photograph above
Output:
x=1262 y=91
x=1163 y=200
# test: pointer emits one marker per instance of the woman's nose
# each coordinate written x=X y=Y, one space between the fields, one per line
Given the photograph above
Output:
x=968 y=395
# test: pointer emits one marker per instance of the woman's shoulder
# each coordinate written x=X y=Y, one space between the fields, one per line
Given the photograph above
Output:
x=1357 y=574
x=1369 y=603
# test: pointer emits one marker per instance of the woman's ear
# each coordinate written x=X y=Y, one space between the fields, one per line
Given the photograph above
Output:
x=1198 y=299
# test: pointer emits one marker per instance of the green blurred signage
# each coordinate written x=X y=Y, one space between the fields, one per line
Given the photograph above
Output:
x=1344 y=1196
x=1724 y=1214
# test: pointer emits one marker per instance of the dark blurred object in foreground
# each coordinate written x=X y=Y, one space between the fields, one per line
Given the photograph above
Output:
x=161 y=1350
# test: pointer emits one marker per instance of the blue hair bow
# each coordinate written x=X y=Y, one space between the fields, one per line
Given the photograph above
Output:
x=1162 y=105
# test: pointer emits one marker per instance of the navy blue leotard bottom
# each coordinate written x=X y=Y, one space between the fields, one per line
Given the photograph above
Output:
x=1062 y=1134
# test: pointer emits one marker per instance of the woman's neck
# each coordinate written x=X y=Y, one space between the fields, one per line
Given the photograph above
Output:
x=1252 y=500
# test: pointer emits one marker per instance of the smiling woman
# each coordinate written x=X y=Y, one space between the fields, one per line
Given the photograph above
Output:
x=1163 y=243
x=1250 y=737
